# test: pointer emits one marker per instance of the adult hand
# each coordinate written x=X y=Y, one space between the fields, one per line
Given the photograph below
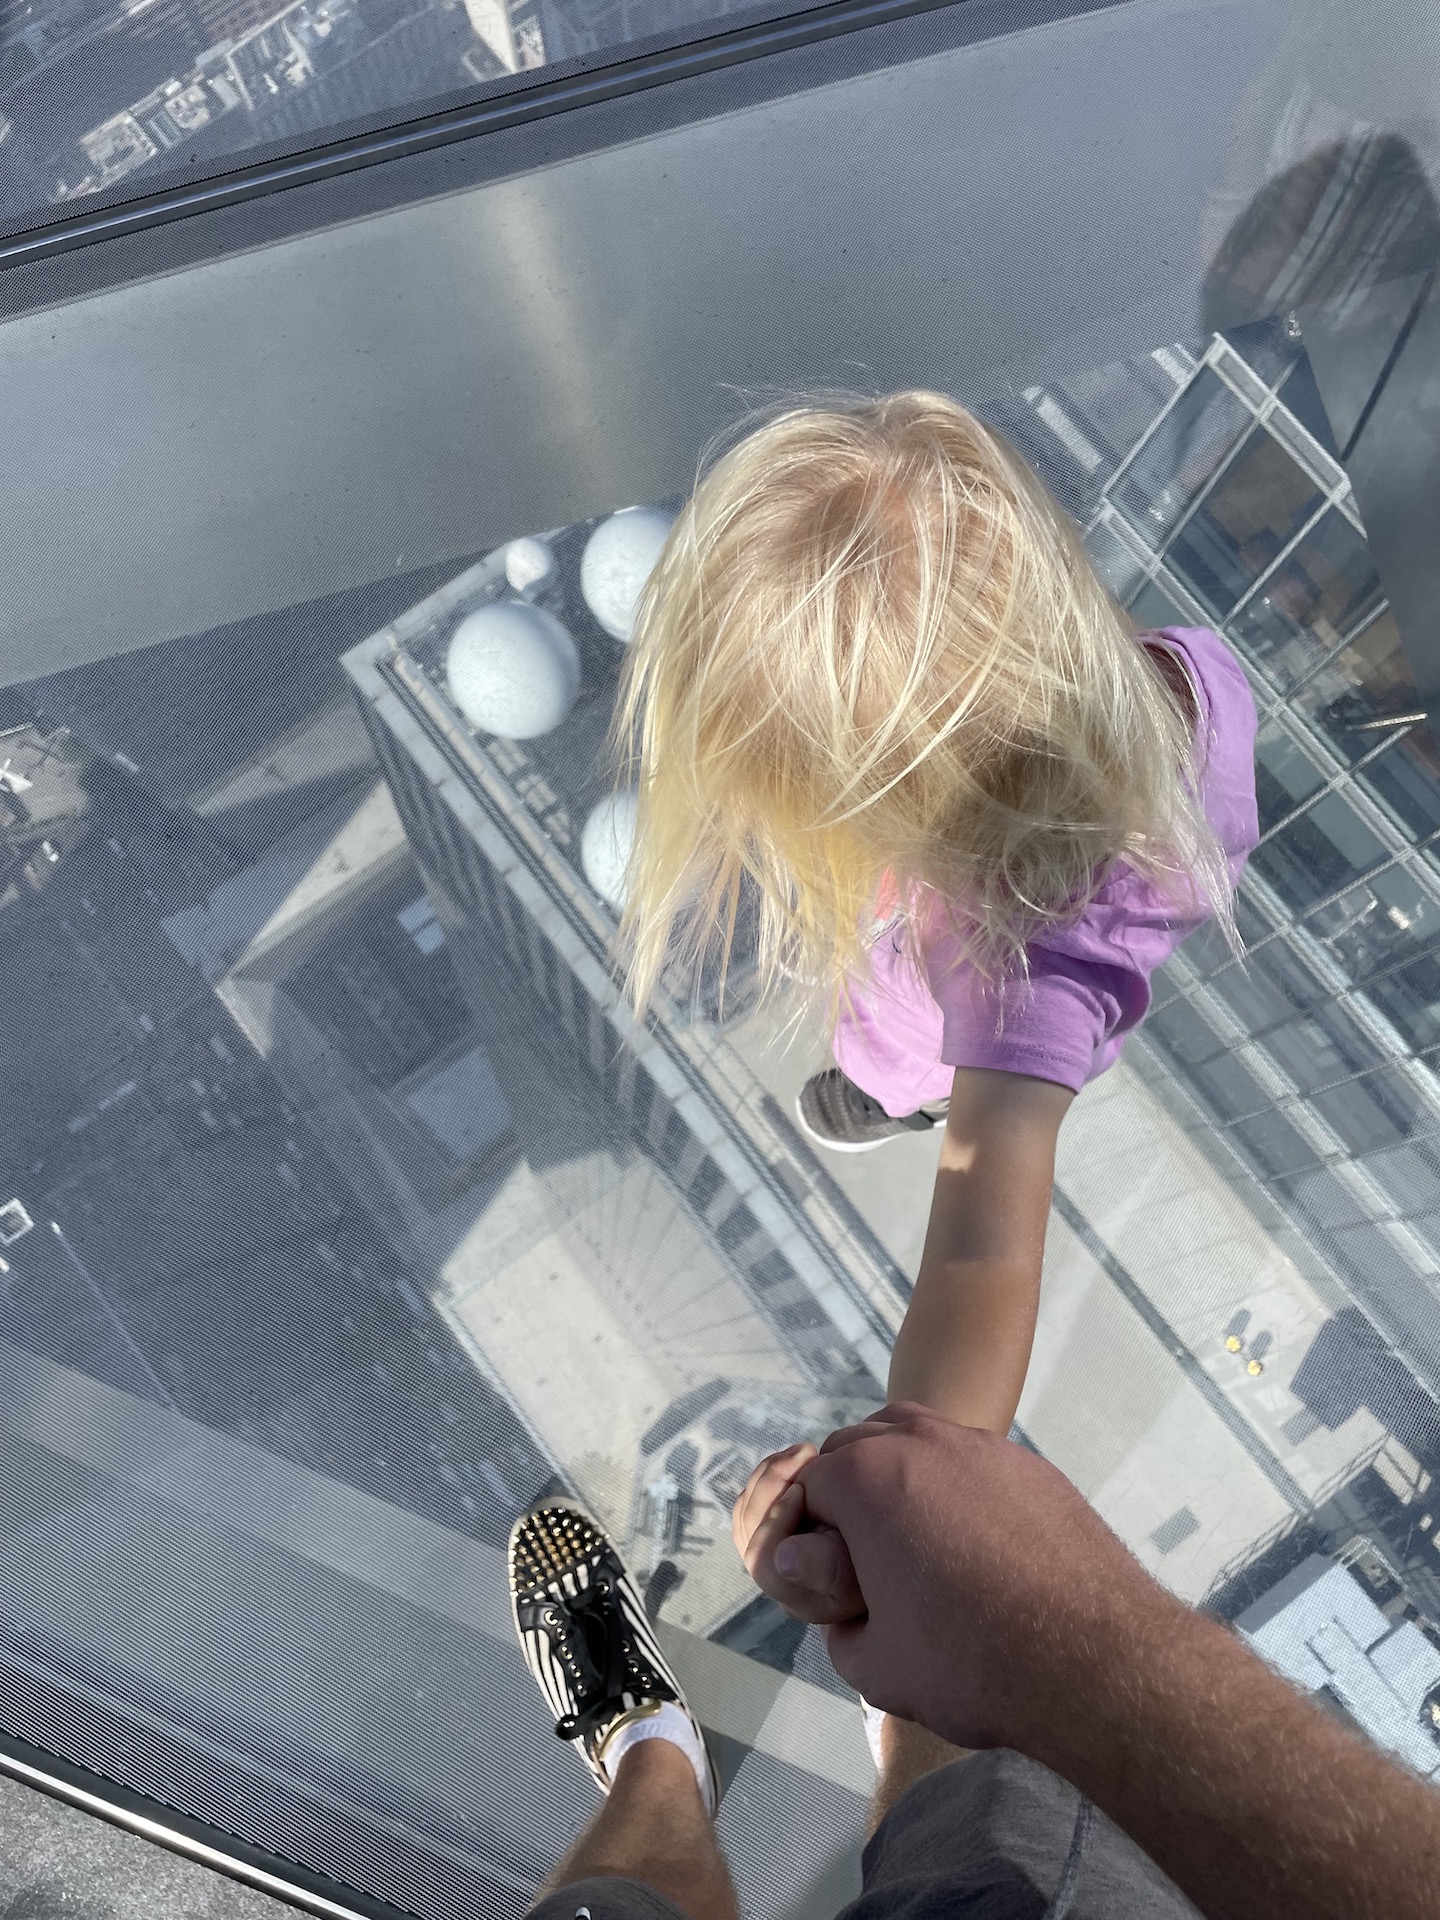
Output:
x=818 y=1584
x=999 y=1610
x=991 y=1590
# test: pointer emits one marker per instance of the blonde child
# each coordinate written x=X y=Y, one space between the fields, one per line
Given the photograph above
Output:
x=876 y=683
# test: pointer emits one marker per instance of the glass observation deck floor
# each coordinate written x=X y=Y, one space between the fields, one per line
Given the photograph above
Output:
x=351 y=1211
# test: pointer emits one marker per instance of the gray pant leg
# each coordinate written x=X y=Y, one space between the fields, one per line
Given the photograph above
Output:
x=603 y=1897
x=996 y=1837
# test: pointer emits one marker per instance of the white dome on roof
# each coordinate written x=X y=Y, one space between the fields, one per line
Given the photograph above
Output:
x=529 y=564
x=513 y=670
x=605 y=845
x=619 y=558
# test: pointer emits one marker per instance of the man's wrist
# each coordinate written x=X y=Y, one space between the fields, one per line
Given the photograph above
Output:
x=1258 y=1805
x=1094 y=1703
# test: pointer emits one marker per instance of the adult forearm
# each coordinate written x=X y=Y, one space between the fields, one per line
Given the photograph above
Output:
x=1255 y=1802
x=965 y=1345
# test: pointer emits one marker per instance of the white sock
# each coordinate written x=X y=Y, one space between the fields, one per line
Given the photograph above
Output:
x=874 y=1721
x=668 y=1723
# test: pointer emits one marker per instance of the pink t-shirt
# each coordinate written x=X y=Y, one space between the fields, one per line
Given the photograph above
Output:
x=1089 y=981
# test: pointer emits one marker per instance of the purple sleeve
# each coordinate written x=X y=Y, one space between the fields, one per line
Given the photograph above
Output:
x=1055 y=1026
x=1089 y=982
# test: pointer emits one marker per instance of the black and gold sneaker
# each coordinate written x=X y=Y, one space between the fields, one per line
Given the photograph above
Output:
x=588 y=1641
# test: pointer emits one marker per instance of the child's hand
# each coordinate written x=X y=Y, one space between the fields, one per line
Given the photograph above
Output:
x=819 y=1585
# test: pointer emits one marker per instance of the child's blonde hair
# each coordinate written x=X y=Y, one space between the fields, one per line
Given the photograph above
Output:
x=875 y=669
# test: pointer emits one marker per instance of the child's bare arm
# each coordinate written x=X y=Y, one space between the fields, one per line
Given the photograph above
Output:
x=965 y=1344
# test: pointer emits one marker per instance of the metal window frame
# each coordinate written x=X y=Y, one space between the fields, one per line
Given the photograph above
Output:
x=1335 y=775
x=1377 y=612
x=1222 y=467
x=1278 y=930
x=543 y=98
x=1298 y=442
x=220 y=1852
x=1236 y=375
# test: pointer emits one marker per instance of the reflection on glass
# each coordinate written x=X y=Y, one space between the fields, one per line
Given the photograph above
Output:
x=1379 y=924
x=93 y=99
x=1318 y=853
x=1319 y=1048
x=1310 y=602
x=1406 y=777
x=1301 y=396
x=1152 y=607
x=1114 y=562
x=1268 y=347
x=1180 y=456
x=1380 y=1109
x=1250 y=517
x=1284 y=775
x=1411 y=998
x=1361 y=690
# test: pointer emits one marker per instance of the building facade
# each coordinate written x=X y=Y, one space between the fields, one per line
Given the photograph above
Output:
x=495 y=828
x=1311 y=1060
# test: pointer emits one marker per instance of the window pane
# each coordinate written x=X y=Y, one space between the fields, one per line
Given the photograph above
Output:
x=1290 y=970
x=1114 y=405
x=1302 y=398
x=1180 y=456
x=1152 y=607
x=1308 y=605
x=1411 y=997
x=191 y=84
x=1316 y=854
x=1257 y=507
x=1325 y=1045
x=1361 y=1115
x=1380 y=923
x=1406 y=777
x=1253 y=926
x=1269 y=347
x=1207 y=948
x=1114 y=563
x=1360 y=686
x=1352 y=696
x=1284 y=776
x=1273 y=1140
x=1186 y=1032
x=1261 y=998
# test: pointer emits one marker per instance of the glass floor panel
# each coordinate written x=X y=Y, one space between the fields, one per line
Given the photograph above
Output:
x=346 y=1210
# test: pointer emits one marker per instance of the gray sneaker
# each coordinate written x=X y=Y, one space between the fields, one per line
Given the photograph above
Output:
x=835 y=1113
